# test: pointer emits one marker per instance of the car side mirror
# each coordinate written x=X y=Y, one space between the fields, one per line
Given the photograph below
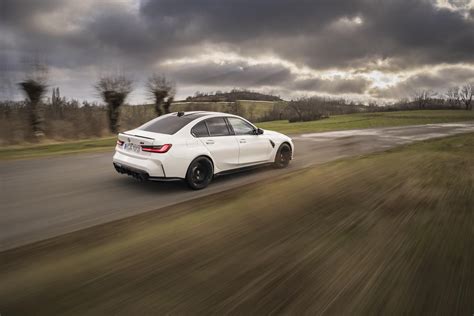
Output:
x=259 y=131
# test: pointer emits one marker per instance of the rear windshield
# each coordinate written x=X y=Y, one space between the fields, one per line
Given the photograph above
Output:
x=169 y=124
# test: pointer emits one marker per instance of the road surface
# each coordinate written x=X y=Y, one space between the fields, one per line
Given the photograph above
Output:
x=42 y=198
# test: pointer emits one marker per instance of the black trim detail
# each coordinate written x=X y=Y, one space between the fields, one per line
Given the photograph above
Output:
x=134 y=172
x=163 y=179
x=229 y=126
x=271 y=142
x=243 y=169
x=207 y=128
x=137 y=136
x=164 y=173
x=141 y=174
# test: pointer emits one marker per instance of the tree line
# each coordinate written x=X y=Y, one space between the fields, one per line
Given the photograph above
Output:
x=113 y=90
x=33 y=119
x=232 y=96
x=460 y=96
x=314 y=108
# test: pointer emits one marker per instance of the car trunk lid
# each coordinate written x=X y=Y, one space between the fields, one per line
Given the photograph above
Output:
x=133 y=140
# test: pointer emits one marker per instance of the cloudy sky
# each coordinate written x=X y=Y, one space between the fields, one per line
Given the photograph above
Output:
x=359 y=49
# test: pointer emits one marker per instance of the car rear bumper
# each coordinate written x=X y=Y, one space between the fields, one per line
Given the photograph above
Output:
x=142 y=168
x=139 y=174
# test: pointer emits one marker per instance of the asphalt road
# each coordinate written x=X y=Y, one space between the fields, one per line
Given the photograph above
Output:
x=42 y=198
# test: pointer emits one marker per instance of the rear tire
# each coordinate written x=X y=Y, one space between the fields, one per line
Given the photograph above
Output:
x=283 y=156
x=200 y=173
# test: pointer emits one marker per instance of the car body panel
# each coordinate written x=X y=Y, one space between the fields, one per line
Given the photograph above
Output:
x=226 y=152
x=254 y=149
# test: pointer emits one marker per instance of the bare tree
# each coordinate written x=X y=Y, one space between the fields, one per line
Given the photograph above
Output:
x=306 y=109
x=34 y=87
x=56 y=97
x=423 y=98
x=297 y=108
x=167 y=104
x=466 y=92
x=162 y=92
x=114 y=90
x=453 y=96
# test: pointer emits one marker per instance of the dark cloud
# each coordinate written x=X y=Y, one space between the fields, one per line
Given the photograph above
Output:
x=333 y=86
x=136 y=36
x=18 y=13
x=409 y=32
x=239 y=74
x=239 y=20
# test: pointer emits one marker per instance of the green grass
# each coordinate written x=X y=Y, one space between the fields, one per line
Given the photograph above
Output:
x=370 y=120
x=42 y=150
x=389 y=233
x=337 y=122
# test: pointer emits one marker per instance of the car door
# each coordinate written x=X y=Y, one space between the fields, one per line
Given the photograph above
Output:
x=222 y=145
x=253 y=148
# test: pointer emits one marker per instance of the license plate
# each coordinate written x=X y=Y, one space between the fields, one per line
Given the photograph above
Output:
x=131 y=147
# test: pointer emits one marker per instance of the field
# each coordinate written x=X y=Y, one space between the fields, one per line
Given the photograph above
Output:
x=370 y=120
x=389 y=233
x=336 y=122
x=254 y=111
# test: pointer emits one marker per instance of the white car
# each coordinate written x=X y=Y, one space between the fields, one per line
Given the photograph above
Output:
x=196 y=146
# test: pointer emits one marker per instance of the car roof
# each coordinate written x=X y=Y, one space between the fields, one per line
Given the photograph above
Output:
x=180 y=120
x=199 y=114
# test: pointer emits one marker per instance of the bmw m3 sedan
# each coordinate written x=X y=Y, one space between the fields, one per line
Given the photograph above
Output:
x=196 y=146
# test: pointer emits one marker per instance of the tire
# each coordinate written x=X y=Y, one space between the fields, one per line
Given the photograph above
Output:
x=200 y=173
x=283 y=156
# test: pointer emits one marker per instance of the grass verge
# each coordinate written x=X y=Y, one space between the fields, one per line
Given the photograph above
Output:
x=337 y=122
x=53 y=149
x=370 y=120
x=389 y=233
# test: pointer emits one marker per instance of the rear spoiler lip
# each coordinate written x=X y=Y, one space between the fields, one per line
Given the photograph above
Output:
x=137 y=136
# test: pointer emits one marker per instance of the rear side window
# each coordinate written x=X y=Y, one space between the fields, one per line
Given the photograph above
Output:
x=167 y=124
x=217 y=126
x=200 y=130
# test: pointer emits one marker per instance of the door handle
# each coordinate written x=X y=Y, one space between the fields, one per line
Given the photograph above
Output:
x=209 y=142
x=242 y=141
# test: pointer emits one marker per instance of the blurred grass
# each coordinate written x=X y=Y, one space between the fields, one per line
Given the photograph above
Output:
x=336 y=122
x=389 y=233
x=50 y=149
x=370 y=120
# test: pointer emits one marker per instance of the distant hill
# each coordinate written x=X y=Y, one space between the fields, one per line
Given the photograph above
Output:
x=255 y=111
x=232 y=96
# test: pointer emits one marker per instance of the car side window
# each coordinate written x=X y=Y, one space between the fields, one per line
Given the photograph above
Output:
x=241 y=127
x=217 y=126
x=200 y=130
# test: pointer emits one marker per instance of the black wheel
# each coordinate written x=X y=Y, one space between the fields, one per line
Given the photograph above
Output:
x=283 y=156
x=199 y=173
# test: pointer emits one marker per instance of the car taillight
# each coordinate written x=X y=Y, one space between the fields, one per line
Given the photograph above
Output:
x=160 y=149
x=120 y=142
